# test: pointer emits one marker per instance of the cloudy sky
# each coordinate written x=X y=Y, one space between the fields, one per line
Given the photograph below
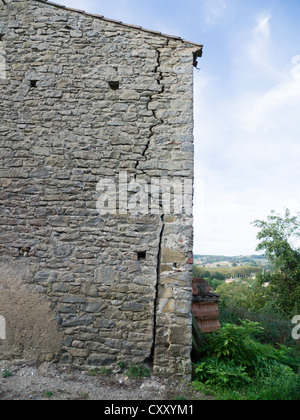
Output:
x=247 y=108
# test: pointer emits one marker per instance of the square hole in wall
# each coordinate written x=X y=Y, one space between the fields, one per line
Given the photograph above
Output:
x=33 y=83
x=141 y=255
x=24 y=251
x=114 y=85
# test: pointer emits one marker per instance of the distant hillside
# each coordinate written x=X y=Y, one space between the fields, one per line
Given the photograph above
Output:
x=215 y=261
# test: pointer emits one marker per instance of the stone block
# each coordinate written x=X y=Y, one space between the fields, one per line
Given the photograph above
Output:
x=170 y=256
x=98 y=361
x=104 y=275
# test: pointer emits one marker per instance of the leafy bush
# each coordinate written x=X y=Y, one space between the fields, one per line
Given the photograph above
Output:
x=218 y=373
x=235 y=362
x=275 y=329
x=278 y=381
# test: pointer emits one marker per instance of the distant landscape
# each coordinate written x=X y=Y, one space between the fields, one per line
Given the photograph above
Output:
x=215 y=261
x=221 y=267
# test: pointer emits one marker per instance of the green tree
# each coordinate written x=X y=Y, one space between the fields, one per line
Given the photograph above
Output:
x=278 y=237
x=236 y=294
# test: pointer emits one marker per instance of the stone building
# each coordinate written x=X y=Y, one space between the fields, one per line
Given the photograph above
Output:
x=96 y=125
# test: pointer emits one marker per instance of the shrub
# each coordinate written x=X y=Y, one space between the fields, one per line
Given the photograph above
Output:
x=100 y=371
x=217 y=373
x=6 y=373
x=275 y=329
x=239 y=344
x=278 y=381
x=138 y=371
x=237 y=365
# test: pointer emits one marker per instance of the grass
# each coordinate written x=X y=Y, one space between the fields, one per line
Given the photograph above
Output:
x=180 y=398
x=6 y=373
x=138 y=371
x=100 y=372
x=85 y=396
x=270 y=388
x=122 y=365
x=48 y=394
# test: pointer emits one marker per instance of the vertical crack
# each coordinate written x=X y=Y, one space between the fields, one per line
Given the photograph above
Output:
x=159 y=120
x=159 y=253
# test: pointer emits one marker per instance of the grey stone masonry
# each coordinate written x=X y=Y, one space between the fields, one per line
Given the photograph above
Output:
x=85 y=99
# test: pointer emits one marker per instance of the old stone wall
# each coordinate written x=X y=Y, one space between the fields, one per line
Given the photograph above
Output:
x=85 y=99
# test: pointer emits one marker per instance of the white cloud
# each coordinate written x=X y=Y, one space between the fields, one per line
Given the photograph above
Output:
x=259 y=48
x=262 y=30
x=229 y=209
x=226 y=225
x=214 y=10
x=274 y=94
x=264 y=110
x=247 y=144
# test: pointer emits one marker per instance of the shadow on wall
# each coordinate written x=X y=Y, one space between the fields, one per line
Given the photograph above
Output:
x=28 y=328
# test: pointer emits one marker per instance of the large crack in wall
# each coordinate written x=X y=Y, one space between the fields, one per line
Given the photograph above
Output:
x=155 y=304
x=159 y=120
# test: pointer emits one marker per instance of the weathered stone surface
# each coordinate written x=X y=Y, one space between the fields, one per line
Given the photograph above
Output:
x=31 y=330
x=85 y=99
x=104 y=275
x=170 y=256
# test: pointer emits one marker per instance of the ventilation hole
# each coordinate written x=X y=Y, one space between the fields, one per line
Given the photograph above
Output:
x=33 y=83
x=141 y=256
x=1 y=37
x=24 y=251
x=114 y=85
